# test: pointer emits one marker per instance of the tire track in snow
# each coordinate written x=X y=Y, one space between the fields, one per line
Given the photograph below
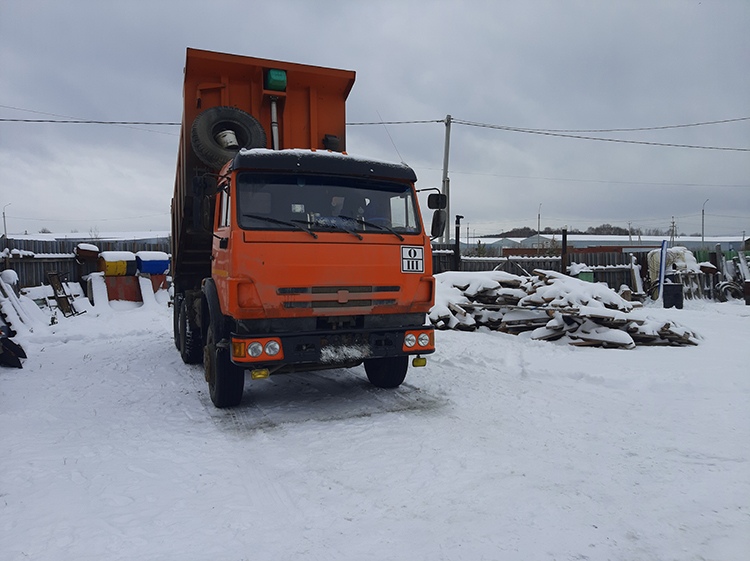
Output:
x=273 y=409
x=322 y=396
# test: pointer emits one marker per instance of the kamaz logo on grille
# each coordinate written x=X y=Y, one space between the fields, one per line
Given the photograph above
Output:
x=412 y=259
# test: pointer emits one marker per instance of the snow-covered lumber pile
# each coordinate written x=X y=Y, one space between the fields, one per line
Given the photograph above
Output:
x=550 y=305
x=13 y=316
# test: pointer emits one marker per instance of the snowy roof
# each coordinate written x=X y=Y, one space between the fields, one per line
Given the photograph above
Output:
x=625 y=240
x=100 y=236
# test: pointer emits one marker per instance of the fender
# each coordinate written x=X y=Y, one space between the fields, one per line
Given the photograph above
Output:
x=212 y=314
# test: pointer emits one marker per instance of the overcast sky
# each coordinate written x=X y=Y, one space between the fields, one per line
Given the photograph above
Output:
x=552 y=65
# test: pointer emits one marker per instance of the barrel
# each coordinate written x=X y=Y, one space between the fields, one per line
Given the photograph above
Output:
x=673 y=297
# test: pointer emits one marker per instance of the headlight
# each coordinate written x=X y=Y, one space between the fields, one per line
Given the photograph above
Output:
x=254 y=349
x=410 y=340
x=272 y=348
x=424 y=339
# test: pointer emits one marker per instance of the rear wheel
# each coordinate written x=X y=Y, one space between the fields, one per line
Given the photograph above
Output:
x=387 y=372
x=226 y=381
x=176 y=304
x=190 y=344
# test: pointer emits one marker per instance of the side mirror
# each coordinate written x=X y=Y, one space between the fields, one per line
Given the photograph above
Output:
x=437 y=201
x=439 y=218
x=207 y=206
x=204 y=189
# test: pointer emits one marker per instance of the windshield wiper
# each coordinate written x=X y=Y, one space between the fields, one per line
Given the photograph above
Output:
x=372 y=225
x=282 y=222
x=335 y=223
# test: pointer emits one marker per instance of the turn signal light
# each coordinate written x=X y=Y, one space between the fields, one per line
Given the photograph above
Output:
x=257 y=350
x=238 y=349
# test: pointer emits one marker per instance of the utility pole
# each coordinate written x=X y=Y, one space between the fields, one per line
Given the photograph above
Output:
x=5 y=233
x=538 y=228
x=446 y=180
x=673 y=233
x=5 y=228
x=703 y=225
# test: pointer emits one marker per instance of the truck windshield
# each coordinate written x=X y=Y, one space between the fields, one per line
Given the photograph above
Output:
x=283 y=202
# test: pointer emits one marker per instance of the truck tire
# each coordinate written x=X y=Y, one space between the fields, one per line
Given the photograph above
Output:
x=226 y=381
x=727 y=290
x=191 y=345
x=387 y=372
x=246 y=128
x=176 y=303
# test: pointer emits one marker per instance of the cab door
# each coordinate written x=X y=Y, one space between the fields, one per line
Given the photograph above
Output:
x=221 y=243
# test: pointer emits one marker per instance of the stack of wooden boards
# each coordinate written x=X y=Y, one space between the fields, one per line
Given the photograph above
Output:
x=550 y=305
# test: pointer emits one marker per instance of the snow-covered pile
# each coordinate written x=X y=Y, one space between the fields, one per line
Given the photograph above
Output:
x=114 y=256
x=88 y=247
x=17 y=313
x=550 y=305
x=678 y=259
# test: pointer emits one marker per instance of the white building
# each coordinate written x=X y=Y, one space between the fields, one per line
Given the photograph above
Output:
x=628 y=243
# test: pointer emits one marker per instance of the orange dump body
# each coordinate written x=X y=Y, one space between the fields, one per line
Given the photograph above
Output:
x=312 y=105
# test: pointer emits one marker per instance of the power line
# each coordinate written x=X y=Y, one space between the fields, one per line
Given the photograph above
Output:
x=566 y=133
x=86 y=122
x=88 y=219
x=600 y=139
x=633 y=129
x=396 y=122
x=562 y=133
x=637 y=129
x=67 y=119
x=574 y=180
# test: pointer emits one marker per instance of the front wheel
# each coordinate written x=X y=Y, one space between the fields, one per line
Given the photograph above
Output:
x=387 y=372
x=226 y=381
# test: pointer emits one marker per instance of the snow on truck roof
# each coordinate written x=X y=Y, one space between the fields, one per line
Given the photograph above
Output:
x=321 y=161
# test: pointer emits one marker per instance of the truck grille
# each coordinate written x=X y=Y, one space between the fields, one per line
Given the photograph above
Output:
x=337 y=296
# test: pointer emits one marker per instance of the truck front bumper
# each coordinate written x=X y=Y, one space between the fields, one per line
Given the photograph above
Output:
x=329 y=349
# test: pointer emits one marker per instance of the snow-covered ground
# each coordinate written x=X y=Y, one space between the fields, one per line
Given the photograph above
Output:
x=502 y=448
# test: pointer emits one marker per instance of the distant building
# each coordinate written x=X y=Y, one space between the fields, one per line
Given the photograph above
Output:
x=625 y=243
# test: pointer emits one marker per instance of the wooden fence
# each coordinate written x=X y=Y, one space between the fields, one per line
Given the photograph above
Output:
x=33 y=259
x=614 y=268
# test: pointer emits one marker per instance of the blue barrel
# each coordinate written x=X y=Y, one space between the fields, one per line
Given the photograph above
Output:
x=152 y=262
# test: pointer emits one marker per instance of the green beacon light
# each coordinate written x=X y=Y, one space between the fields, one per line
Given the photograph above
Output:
x=276 y=80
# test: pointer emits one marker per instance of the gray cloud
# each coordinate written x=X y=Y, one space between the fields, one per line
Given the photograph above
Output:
x=539 y=64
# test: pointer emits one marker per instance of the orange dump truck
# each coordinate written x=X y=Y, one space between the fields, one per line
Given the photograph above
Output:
x=287 y=254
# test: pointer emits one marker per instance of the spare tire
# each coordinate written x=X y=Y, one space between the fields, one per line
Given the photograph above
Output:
x=247 y=130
